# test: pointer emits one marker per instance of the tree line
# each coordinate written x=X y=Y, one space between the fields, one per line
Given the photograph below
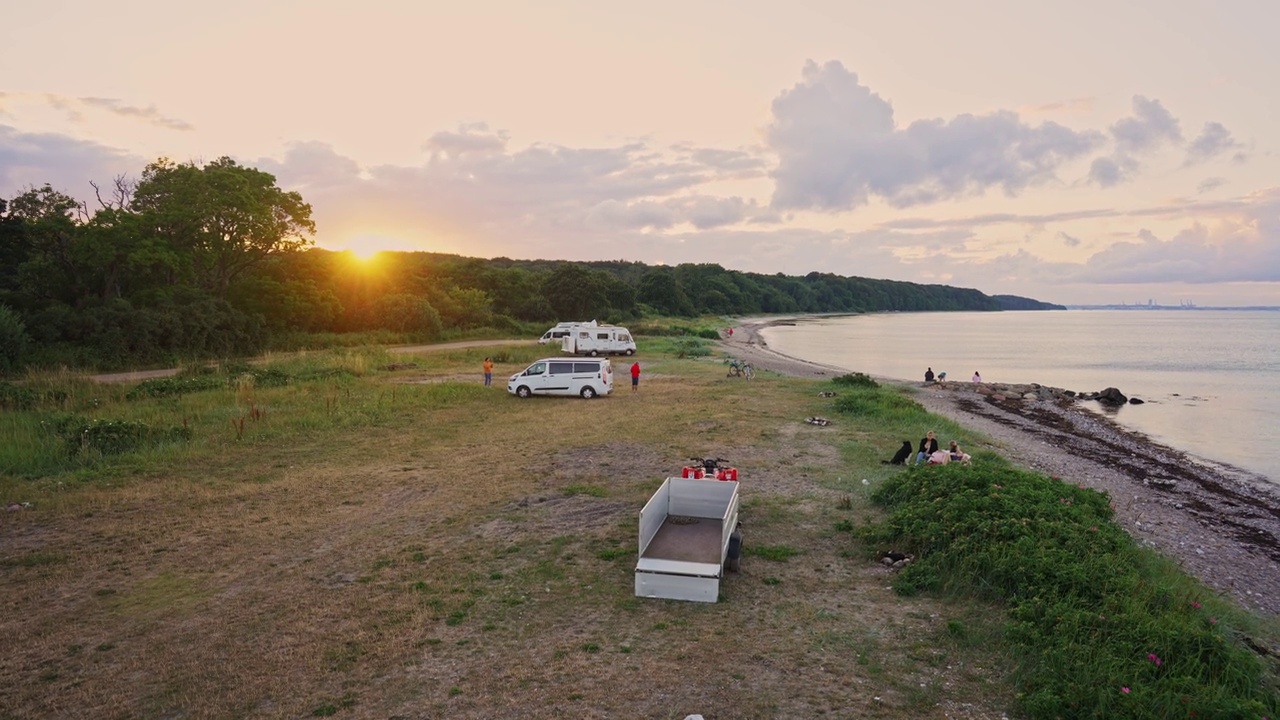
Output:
x=195 y=261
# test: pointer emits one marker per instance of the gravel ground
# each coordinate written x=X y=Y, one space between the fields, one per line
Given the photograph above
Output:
x=1222 y=524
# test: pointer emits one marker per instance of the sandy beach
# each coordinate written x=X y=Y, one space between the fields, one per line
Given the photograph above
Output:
x=1220 y=523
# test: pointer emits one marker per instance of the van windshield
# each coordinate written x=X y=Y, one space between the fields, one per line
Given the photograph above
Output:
x=536 y=369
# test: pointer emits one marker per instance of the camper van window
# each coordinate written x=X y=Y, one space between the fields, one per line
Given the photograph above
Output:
x=602 y=336
x=561 y=367
x=586 y=367
x=536 y=369
x=624 y=337
x=560 y=334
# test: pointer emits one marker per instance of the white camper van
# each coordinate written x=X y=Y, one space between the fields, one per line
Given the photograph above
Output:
x=598 y=340
x=587 y=377
x=555 y=334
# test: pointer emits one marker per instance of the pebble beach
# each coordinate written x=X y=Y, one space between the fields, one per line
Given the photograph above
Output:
x=1220 y=523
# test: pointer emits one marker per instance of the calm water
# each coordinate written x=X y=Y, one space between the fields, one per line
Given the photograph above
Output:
x=1210 y=378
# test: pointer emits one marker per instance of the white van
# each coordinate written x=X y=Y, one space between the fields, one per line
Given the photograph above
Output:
x=598 y=340
x=555 y=334
x=587 y=377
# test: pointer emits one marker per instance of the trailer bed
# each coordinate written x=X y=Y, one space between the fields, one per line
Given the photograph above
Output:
x=688 y=539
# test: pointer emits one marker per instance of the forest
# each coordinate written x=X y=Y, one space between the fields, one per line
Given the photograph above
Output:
x=192 y=261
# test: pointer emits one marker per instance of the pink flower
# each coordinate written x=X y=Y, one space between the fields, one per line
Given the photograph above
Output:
x=1124 y=690
x=1213 y=621
x=1155 y=659
x=1195 y=604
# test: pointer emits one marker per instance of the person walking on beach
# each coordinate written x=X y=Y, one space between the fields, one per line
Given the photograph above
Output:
x=928 y=446
x=488 y=372
x=928 y=375
x=635 y=376
x=976 y=377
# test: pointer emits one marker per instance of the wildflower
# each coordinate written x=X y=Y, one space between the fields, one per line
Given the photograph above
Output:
x=997 y=486
x=1093 y=529
x=1155 y=659
x=1213 y=621
x=1195 y=604
x=1124 y=690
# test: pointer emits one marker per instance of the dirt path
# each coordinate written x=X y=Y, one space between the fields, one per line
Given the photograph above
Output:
x=140 y=375
x=1222 y=524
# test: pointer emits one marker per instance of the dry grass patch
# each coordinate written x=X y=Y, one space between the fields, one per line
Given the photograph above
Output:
x=467 y=555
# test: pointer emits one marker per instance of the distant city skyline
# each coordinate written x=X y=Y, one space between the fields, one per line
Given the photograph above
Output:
x=1076 y=153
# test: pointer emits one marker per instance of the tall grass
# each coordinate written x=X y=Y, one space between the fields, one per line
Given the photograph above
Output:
x=1106 y=628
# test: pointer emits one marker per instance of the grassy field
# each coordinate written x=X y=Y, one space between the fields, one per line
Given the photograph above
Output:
x=358 y=534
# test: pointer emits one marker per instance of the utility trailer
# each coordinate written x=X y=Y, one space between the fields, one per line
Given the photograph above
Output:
x=688 y=538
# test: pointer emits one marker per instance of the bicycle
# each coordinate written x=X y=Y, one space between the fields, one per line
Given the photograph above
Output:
x=737 y=369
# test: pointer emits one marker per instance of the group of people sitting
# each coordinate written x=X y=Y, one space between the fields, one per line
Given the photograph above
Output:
x=929 y=454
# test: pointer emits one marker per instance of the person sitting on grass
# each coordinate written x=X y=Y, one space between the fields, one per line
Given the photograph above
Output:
x=928 y=446
x=957 y=455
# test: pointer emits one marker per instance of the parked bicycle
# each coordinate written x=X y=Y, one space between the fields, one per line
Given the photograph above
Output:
x=741 y=369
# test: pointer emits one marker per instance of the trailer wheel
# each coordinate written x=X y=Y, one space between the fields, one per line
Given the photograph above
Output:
x=733 y=559
x=523 y=392
x=588 y=392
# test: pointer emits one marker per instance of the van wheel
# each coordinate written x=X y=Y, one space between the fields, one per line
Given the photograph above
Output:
x=588 y=392
x=523 y=391
x=630 y=352
x=594 y=353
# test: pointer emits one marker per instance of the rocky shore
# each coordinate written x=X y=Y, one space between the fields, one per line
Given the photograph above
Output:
x=1220 y=523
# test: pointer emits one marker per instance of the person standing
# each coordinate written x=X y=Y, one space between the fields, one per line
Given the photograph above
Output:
x=488 y=372
x=976 y=377
x=928 y=375
x=635 y=376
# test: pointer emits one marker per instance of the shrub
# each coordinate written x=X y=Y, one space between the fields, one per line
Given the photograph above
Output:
x=16 y=397
x=111 y=437
x=690 y=347
x=13 y=340
x=858 y=380
x=1088 y=610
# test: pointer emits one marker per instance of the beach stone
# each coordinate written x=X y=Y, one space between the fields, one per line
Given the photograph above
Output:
x=1030 y=396
x=1135 y=401
x=1112 y=396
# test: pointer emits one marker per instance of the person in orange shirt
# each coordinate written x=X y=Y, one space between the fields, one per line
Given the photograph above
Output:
x=488 y=372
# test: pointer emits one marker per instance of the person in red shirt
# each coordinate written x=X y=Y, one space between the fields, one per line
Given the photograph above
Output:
x=635 y=376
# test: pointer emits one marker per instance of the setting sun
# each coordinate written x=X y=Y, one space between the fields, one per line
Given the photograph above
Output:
x=366 y=247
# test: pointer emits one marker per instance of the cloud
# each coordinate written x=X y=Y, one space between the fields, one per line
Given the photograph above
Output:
x=1209 y=184
x=838 y=145
x=1150 y=126
x=66 y=163
x=147 y=114
x=1213 y=141
x=1069 y=240
x=1106 y=172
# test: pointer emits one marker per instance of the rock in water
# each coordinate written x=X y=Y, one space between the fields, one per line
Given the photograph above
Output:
x=1112 y=396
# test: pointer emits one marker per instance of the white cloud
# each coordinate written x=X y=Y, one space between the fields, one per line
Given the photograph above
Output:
x=34 y=159
x=1213 y=141
x=838 y=145
x=1150 y=126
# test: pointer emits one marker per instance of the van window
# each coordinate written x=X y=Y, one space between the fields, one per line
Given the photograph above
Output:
x=602 y=336
x=624 y=337
x=561 y=367
x=588 y=367
x=536 y=369
x=584 y=335
x=559 y=334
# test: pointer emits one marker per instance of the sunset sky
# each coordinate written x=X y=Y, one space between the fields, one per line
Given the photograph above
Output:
x=1075 y=152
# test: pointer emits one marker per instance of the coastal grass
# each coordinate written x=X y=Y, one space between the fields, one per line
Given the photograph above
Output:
x=1101 y=626
x=369 y=533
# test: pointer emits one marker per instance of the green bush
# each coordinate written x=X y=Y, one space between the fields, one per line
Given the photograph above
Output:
x=13 y=340
x=111 y=437
x=17 y=397
x=857 y=380
x=175 y=386
x=1106 y=628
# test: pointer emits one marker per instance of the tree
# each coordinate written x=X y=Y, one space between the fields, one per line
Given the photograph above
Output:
x=13 y=340
x=576 y=292
x=225 y=217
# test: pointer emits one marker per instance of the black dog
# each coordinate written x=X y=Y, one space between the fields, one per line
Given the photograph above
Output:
x=900 y=457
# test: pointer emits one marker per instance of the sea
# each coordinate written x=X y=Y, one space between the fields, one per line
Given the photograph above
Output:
x=1209 y=379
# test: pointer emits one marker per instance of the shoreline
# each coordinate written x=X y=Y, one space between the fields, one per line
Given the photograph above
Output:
x=1220 y=523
